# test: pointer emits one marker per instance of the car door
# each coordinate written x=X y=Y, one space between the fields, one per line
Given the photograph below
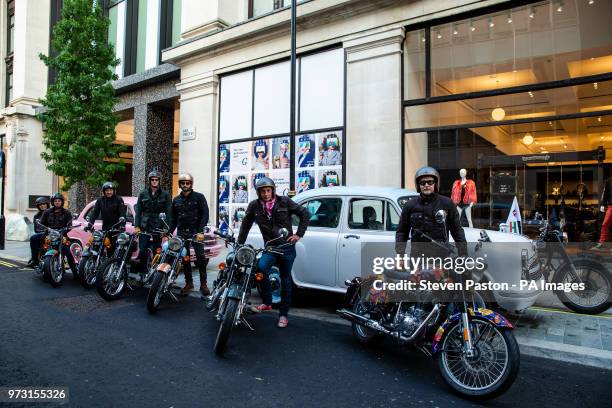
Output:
x=368 y=220
x=316 y=262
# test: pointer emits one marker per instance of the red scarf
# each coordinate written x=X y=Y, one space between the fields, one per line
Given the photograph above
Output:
x=268 y=205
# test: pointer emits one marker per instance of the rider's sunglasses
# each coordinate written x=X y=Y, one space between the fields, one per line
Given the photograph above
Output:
x=154 y=179
x=427 y=182
x=184 y=183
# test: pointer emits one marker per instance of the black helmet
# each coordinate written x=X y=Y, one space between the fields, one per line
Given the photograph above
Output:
x=108 y=185
x=42 y=200
x=264 y=182
x=57 y=196
x=154 y=173
x=426 y=171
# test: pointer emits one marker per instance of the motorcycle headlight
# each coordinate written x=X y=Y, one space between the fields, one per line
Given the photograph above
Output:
x=123 y=238
x=245 y=255
x=97 y=236
x=54 y=235
x=229 y=258
x=175 y=244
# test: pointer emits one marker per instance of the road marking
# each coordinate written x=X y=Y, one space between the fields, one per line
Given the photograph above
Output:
x=10 y=265
x=546 y=309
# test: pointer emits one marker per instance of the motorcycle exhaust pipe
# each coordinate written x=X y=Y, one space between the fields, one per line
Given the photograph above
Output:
x=373 y=324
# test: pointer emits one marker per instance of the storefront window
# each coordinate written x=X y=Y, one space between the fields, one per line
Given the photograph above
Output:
x=116 y=32
x=254 y=138
x=519 y=108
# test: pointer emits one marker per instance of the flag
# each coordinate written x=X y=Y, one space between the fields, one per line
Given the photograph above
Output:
x=514 y=218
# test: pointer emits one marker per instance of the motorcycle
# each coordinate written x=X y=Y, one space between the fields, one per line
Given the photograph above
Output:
x=116 y=274
x=232 y=288
x=96 y=254
x=168 y=268
x=556 y=265
x=53 y=261
x=477 y=353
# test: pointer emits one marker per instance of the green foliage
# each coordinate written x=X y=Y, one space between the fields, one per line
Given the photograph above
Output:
x=79 y=116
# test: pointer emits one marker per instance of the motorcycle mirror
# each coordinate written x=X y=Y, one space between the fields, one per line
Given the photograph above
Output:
x=440 y=216
x=121 y=219
x=162 y=216
x=283 y=232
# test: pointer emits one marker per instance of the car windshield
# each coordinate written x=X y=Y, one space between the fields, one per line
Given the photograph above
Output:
x=403 y=200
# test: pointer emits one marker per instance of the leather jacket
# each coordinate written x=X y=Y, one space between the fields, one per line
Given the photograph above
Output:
x=189 y=213
x=109 y=209
x=56 y=219
x=282 y=211
x=149 y=206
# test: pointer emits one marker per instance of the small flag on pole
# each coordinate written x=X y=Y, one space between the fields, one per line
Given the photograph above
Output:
x=514 y=218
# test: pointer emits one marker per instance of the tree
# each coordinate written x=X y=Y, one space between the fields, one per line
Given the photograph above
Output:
x=80 y=136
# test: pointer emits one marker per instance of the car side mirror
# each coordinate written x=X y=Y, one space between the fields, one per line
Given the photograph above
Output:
x=283 y=232
x=440 y=216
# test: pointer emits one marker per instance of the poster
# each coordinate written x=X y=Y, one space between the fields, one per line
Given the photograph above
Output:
x=305 y=151
x=224 y=159
x=319 y=160
x=329 y=178
x=239 y=161
x=224 y=222
x=240 y=193
x=260 y=159
x=305 y=180
x=224 y=189
x=281 y=153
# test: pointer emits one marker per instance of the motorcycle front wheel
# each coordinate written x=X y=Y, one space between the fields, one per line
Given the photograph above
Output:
x=492 y=369
x=53 y=271
x=364 y=334
x=111 y=280
x=87 y=272
x=595 y=298
x=155 y=292
x=225 y=329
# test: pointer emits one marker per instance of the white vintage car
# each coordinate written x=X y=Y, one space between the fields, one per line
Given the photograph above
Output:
x=330 y=252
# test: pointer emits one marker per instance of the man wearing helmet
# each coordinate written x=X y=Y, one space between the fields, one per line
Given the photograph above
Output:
x=57 y=217
x=42 y=204
x=110 y=207
x=151 y=202
x=273 y=212
x=189 y=217
x=418 y=216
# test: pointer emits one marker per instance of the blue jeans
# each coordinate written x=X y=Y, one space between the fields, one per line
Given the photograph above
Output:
x=284 y=263
x=36 y=242
x=144 y=243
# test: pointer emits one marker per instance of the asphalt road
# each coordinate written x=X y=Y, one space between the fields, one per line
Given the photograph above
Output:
x=116 y=354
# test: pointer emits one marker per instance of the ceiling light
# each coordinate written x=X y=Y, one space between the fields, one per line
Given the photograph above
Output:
x=532 y=13
x=550 y=123
x=530 y=94
x=509 y=19
x=536 y=142
x=498 y=114
x=472 y=27
x=491 y=23
x=595 y=85
x=565 y=146
x=439 y=35
x=423 y=39
x=545 y=151
x=591 y=2
x=455 y=30
x=599 y=118
x=560 y=8
x=528 y=139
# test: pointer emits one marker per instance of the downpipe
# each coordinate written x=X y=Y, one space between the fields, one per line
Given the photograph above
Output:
x=373 y=324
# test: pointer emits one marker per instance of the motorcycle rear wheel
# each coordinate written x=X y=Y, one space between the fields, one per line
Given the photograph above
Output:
x=111 y=290
x=227 y=324
x=596 y=297
x=154 y=295
x=53 y=272
x=469 y=376
x=364 y=334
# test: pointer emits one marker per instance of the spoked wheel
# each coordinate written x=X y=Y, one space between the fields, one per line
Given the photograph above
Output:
x=53 y=271
x=225 y=329
x=155 y=292
x=492 y=369
x=365 y=334
x=87 y=272
x=111 y=280
x=76 y=249
x=597 y=294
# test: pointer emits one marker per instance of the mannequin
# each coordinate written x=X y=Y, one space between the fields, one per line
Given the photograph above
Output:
x=463 y=195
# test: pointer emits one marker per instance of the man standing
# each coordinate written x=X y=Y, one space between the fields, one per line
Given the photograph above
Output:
x=42 y=204
x=110 y=207
x=151 y=202
x=57 y=217
x=273 y=212
x=605 y=206
x=189 y=217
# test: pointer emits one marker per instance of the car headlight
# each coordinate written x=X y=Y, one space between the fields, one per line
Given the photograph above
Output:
x=97 y=236
x=54 y=235
x=123 y=238
x=245 y=255
x=175 y=244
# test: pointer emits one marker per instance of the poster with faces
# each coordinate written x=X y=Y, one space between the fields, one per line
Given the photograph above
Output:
x=260 y=159
x=318 y=160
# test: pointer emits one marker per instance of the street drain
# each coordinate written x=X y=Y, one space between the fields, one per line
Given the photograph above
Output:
x=87 y=303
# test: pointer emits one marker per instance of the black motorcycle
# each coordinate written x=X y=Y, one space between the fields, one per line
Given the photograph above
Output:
x=232 y=288
x=557 y=266
x=477 y=353
x=96 y=253
x=168 y=267
x=54 y=260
